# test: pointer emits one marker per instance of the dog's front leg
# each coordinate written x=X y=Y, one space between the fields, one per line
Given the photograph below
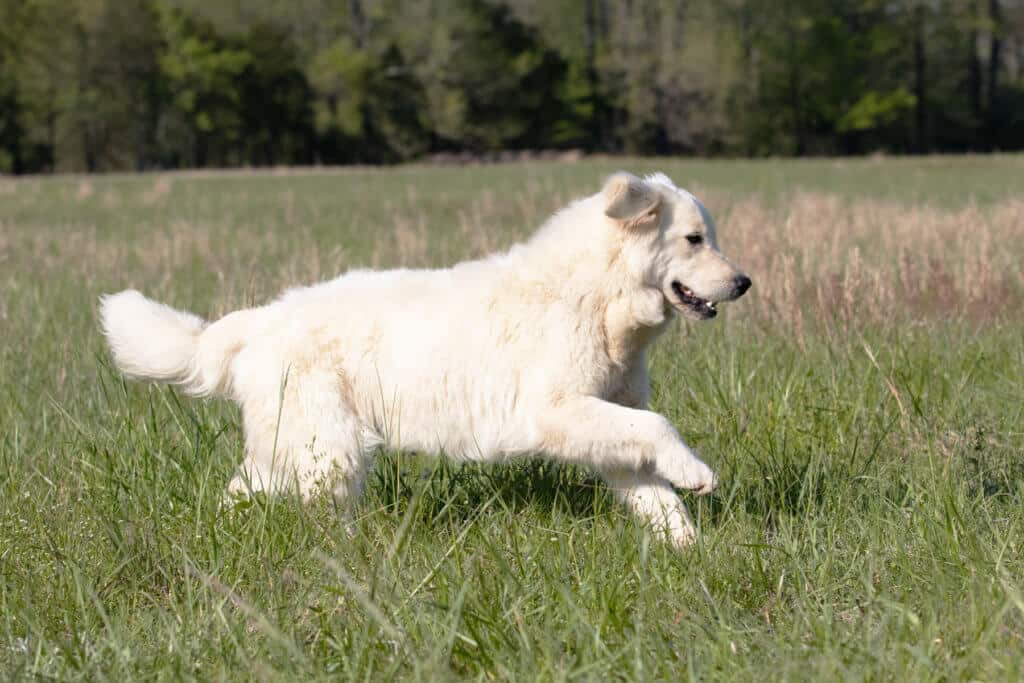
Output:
x=652 y=499
x=612 y=437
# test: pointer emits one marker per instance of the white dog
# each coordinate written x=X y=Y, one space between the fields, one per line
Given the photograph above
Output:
x=538 y=350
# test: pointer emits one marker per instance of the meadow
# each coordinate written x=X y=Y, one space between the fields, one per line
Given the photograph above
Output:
x=862 y=404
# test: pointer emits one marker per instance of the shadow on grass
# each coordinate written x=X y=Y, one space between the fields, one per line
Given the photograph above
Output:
x=798 y=484
x=457 y=492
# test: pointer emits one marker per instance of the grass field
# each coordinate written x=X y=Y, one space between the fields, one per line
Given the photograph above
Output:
x=863 y=405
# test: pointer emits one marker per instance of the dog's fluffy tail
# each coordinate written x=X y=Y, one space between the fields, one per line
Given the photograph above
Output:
x=156 y=342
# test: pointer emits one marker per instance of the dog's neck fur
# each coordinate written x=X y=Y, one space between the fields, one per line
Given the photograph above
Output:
x=596 y=274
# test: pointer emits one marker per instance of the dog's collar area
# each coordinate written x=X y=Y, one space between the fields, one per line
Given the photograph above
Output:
x=705 y=308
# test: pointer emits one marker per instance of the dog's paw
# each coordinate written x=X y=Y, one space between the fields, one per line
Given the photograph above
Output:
x=691 y=474
x=683 y=538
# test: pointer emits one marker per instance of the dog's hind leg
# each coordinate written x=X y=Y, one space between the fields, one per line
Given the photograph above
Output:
x=303 y=438
x=654 y=501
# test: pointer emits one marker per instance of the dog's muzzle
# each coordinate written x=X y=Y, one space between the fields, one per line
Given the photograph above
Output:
x=704 y=309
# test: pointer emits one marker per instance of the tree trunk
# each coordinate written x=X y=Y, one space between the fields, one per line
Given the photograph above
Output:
x=590 y=64
x=795 y=99
x=973 y=67
x=994 y=58
x=921 y=142
x=358 y=16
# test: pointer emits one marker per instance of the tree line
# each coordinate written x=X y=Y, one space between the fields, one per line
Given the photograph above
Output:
x=96 y=85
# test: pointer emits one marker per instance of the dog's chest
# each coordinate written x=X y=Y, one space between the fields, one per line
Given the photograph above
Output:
x=628 y=384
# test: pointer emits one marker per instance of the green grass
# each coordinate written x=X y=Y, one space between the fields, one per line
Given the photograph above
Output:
x=869 y=526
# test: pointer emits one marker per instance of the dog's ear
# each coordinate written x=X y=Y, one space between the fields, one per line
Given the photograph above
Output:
x=630 y=200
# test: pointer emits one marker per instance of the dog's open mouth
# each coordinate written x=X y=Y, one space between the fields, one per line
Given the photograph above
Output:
x=703 y=308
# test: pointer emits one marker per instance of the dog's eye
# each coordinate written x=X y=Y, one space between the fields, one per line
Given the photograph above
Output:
x=695 y=238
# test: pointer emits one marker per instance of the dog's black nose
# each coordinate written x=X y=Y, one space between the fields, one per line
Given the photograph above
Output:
x=740 y=286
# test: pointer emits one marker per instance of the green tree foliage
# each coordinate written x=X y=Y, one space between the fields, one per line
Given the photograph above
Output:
x=202 y=74
x=119 y=84
x=369 y=107
x=503 y=86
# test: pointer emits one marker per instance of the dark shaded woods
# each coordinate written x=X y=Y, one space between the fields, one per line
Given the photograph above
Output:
x=97 y=85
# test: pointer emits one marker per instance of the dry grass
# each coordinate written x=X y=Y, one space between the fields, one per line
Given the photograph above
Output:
x=820 y=258
x=817 y=260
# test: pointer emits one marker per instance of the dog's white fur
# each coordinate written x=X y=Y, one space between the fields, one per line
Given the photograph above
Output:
x=538 y=350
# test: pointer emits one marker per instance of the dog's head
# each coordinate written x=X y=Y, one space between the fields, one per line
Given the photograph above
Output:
x=672 y=244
